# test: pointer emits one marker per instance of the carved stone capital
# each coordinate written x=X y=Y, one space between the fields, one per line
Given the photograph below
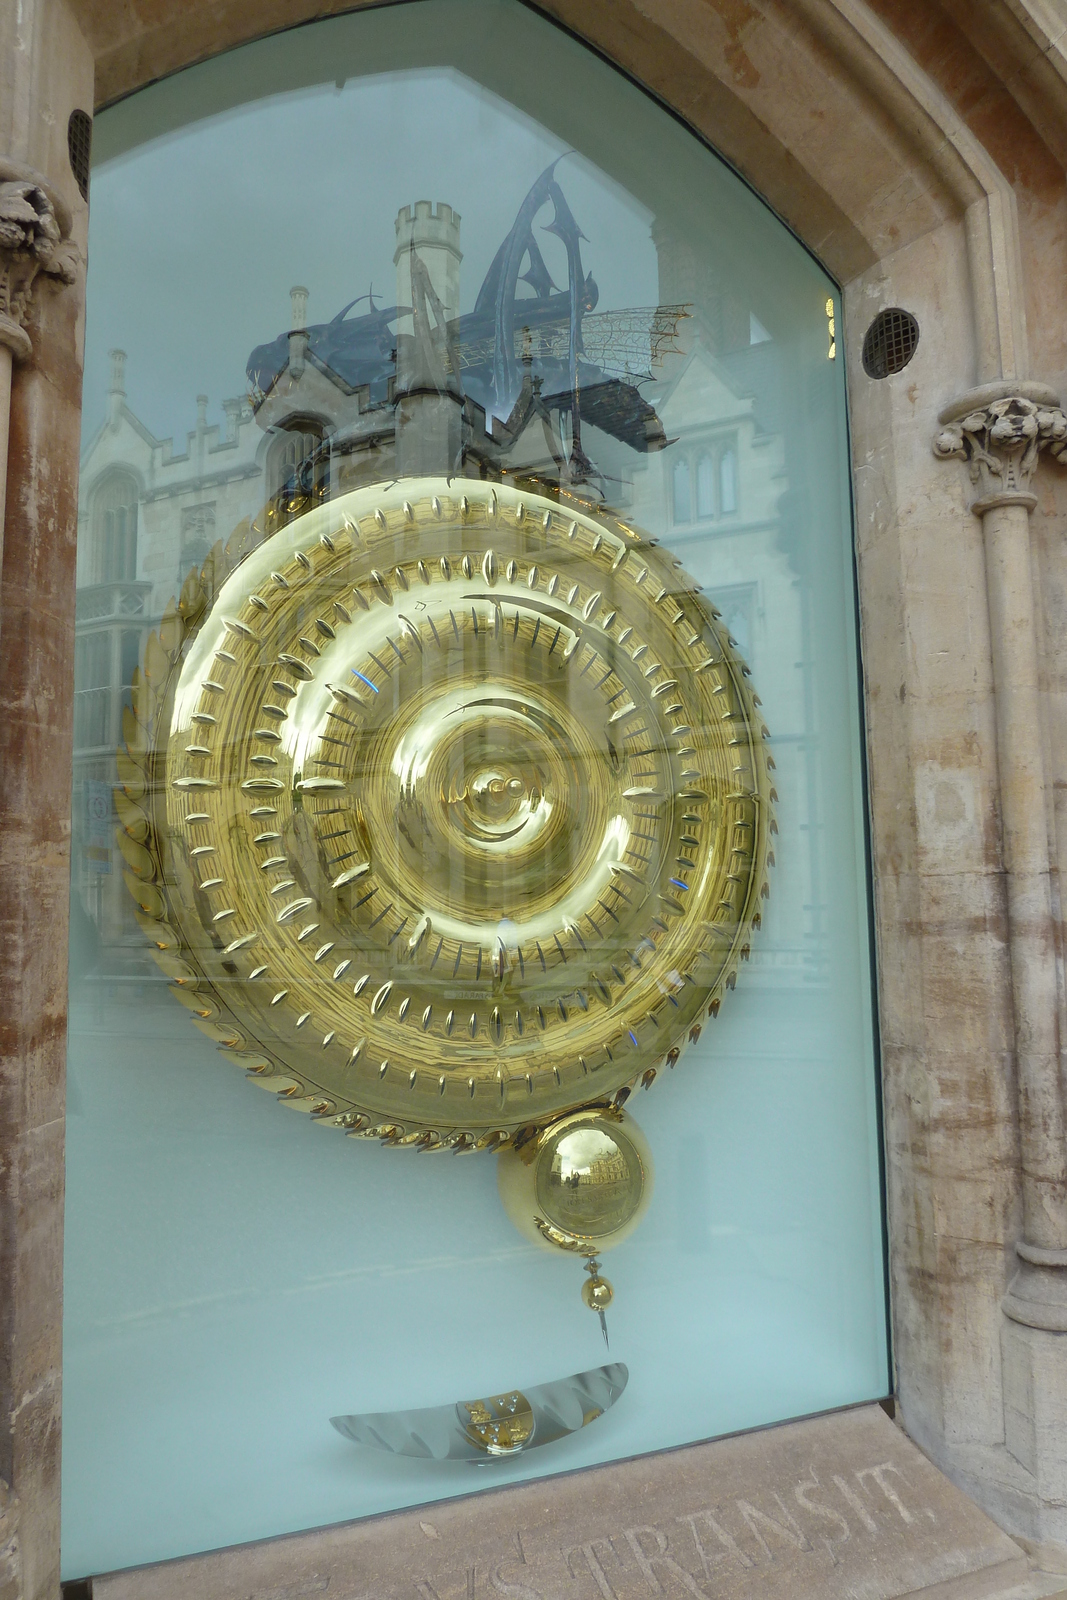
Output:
x=34 y=239
x=10 y=1563
x=1000 y=431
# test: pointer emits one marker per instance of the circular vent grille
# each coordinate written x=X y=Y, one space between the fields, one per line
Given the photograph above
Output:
x=79 y=144
x=890 y=342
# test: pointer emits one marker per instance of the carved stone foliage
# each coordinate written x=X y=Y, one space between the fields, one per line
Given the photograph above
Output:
x=10 y=1560
x=31 y=242
x=1001 y=443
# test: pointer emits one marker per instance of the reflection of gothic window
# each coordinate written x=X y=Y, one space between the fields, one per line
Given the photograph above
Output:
x=705 y=486
x=92 y=698
x=129 y=661
x=296 y=459
x=683 y=511
x=115 y=528
x=198 y=535
x=728 y=483
x=715 y=473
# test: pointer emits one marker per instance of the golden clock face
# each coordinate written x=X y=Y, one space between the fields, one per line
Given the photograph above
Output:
x=448 y=811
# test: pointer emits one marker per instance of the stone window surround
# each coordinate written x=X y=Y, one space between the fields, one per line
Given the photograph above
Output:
x=114 y=527
x=823 y=109
x=704 y=497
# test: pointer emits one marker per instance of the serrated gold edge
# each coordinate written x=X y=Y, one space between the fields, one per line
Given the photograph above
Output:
x=141 y=839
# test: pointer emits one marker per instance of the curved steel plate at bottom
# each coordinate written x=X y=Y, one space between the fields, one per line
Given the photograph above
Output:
x=500 y=1425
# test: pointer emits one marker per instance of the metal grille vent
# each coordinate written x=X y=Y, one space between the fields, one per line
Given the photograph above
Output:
x=889 y=342
x=79 y=145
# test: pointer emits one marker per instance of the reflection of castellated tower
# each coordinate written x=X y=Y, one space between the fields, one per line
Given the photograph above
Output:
x=434 y=233
x=427 y=259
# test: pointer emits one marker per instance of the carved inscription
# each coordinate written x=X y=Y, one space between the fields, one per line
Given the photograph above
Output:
x=705 y=1549
x=829 y=1508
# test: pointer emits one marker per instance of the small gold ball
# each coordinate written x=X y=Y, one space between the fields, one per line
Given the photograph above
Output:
x=597 y=1293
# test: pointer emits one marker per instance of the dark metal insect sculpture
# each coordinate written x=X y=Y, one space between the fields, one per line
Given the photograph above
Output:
x=516 y=358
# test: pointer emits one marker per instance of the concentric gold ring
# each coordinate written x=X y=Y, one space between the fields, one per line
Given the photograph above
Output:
x=456 y=807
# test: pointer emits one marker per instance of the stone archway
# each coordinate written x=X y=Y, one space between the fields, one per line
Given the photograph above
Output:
x=922 y=160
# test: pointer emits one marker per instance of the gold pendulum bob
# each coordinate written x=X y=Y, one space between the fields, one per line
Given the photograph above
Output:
x=446 y=809
x=582 y=1184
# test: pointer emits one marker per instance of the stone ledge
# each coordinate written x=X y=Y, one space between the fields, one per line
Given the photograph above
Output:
x=838 y=1507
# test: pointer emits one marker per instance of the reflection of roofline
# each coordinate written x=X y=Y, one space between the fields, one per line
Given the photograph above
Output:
x=165 y=461
x=130 y=619
x=685 y=533
x=717 y=366
x=84 y=593
x=710 y=429
x=125 y=415
x=206 y=480
x=310 y=360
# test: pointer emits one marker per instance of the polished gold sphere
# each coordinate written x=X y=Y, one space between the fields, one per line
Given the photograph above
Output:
x=597 y=1293
x=582 y=1184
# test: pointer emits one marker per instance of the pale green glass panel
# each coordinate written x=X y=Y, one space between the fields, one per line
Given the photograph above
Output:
x=235 y=1274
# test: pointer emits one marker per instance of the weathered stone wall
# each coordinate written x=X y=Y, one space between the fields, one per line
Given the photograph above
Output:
x=831 y=1507
x=919 y=149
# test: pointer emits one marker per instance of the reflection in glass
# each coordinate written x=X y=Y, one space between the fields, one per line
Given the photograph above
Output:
x=499 y=1426
x=499 y=276
x=115 y=526
x=681 y=504
x=705 y=487
x=728 y=482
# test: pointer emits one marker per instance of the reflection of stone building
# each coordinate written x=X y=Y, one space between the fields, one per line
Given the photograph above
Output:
x=147 y=513
x=714 y=496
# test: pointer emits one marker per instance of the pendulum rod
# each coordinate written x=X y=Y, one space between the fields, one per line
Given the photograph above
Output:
x=597 y=1294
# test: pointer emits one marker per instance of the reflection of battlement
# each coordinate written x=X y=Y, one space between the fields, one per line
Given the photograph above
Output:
x=434 y=222
x=427 y=259
x=433 y=233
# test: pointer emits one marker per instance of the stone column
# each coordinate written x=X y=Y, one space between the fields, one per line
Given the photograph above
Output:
x=1000 y=431
x=34 y=246
x=34 y=826
x=46 y=72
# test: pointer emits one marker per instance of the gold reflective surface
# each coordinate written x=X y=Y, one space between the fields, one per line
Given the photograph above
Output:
x=581 y=1184
x=447 y=809
x=592 y=1177
x=597 y=1293
x=501 y=1425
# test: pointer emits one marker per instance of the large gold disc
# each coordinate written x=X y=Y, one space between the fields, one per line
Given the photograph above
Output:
x=459 y=809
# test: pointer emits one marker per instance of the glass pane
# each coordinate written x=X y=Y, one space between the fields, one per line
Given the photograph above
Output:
x=443 y=804
x=680 y=490
x=705 y=487
x=728 y=483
